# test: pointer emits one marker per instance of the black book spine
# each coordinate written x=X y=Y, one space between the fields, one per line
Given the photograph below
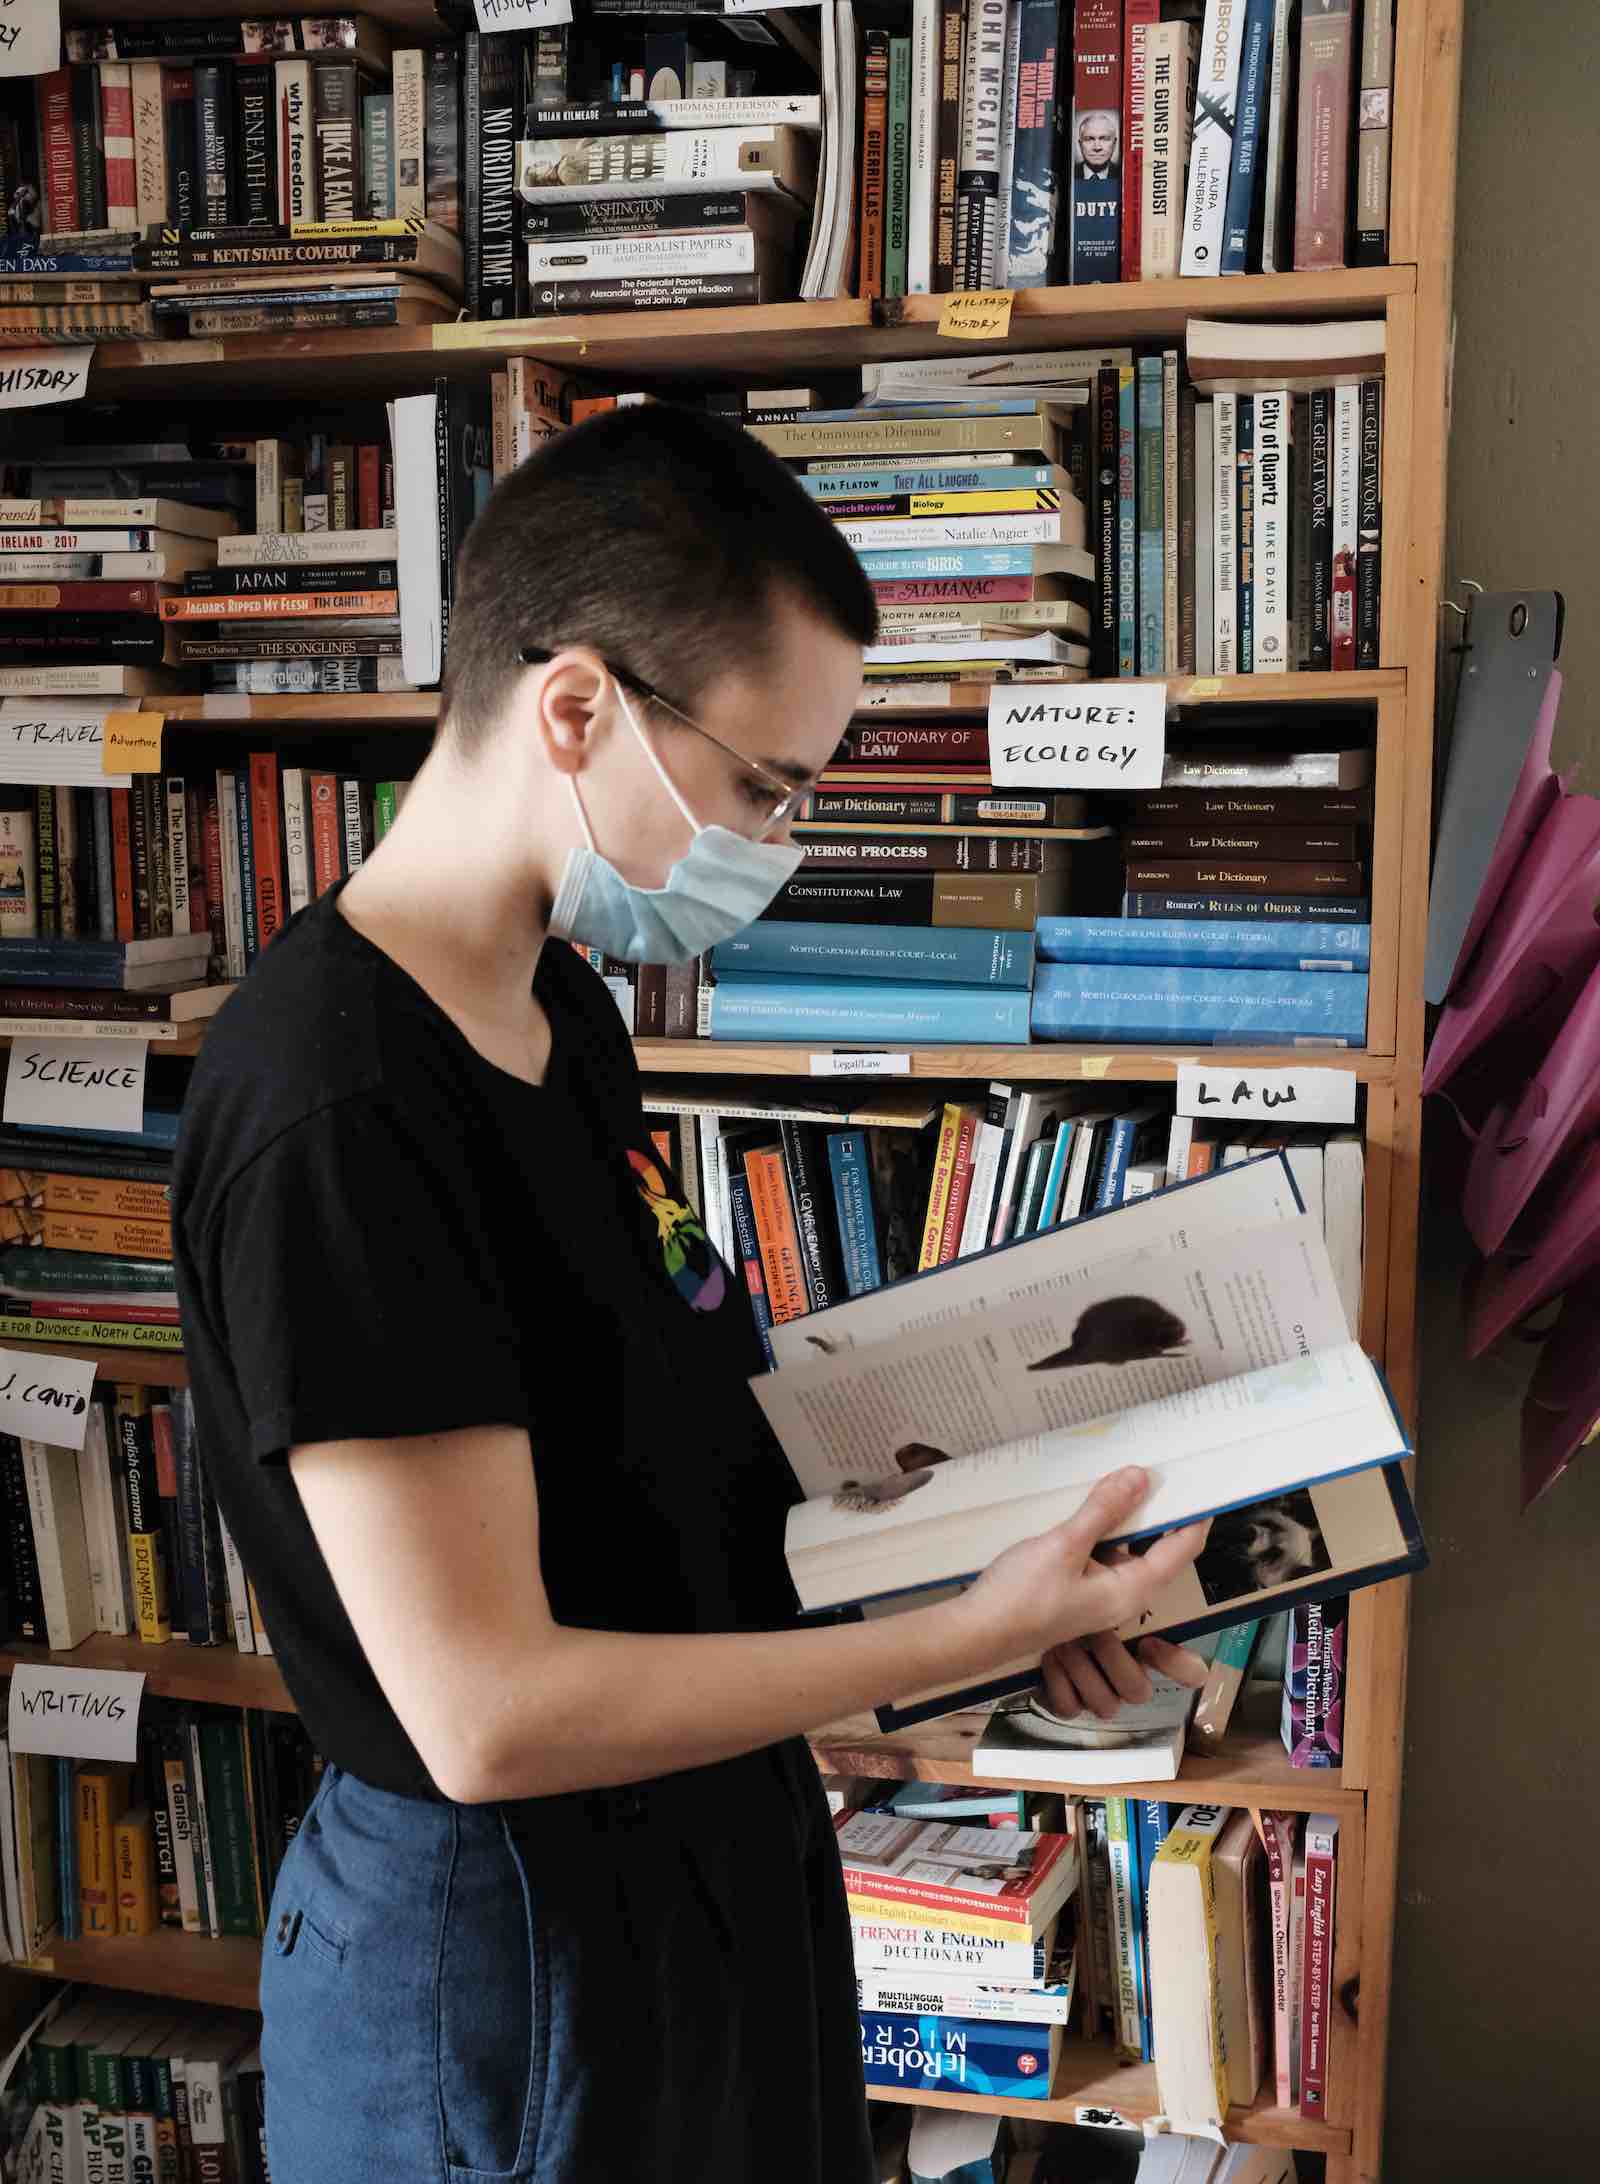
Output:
x=21 y=1562
x=256 y=149
x=888 y=898
x=497 y=270
x=1103 y=635
x=1369 y=524
x=49 y=879
x=84 y=859
x=213 y=140
x=1347 y=909
x=441 y=148
x=28 y=640
x=336 y=104
x=183 y=192
x=88 y=147
x=1321 y=527
x=811 y=1193
x=307 y=577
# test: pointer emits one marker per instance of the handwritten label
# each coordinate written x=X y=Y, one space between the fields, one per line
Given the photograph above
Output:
x=31 y=378
x=521 y=14
x=131 y=743
x=44 y=1397
x=976 y=314
x=58 y=740
x=30 y=37
x=1293 y=1095
x=861 y=1065
x=76 y=1085
x=1078 y=735
x=75 y=1713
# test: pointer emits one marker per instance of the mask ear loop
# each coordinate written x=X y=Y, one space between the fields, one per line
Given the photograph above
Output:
x=666 y=779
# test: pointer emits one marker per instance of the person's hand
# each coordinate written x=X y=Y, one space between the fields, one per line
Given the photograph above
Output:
x=1053 y=1595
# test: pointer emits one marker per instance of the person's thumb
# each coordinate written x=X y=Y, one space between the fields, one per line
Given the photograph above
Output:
x=1110 y=1504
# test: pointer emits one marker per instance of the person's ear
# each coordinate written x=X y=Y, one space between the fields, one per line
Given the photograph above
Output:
x=570 y=708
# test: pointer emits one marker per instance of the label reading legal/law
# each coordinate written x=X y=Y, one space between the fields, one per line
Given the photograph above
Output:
x=1078 y=735
x=861 y=1065
x=1291 y=1095
x=76 y=1084
x=45 y=1397
x=75 y=1713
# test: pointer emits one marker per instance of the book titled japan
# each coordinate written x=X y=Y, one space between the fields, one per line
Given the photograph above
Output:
x=1097 y=141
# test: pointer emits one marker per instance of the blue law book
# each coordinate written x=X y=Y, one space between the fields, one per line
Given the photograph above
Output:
x=943 y=955
x=914 y=562
x=1291 y=909
x=1128 y=1137
x=100 y=965
x=1056 y=1175
x=850 y=1166
x=910 y=478
x=1158 y=1004
x=1127 y=521
x=1152 y=520
x=1241 y=230
x=749 y=1249
x=1286 y=944
x=959 y=2054
x=867 y=1012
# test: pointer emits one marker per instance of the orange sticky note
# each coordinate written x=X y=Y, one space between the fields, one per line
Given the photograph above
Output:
x=131 y=743
x=976 y=314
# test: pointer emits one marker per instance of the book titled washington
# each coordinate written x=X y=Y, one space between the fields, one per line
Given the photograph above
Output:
x=978 y=164
x=1211 y=1007
x=867 y=1011
x=1223 y=943
x=951 y=957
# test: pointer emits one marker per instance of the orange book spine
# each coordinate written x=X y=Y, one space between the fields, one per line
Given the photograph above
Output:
x=944 y=1168
x=268 y=844
x=102 y=1194
x=102 y=1799
x=133 y=1847
x=327 y=832
x=276 y=606
x=874 y=148
x=960 y=1187
x=123 y=1239
x=775 y=1232
x=122 y=861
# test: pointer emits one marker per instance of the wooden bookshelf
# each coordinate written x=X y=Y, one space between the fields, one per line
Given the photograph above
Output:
x=211 y=1675
x=1115 y=1064
x=222 y=1973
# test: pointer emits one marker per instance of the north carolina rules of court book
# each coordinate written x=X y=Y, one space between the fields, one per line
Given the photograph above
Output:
x=1077 y=737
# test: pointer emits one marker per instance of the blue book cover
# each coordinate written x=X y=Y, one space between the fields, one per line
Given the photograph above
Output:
x=1056 y=1175
x=67 y=1849
x=1152 y=520
x=867 y=1012
x=1302 y=909
x=1128 y=1138
x=1160 y=1003
x=849 y=1164
x=913 y=564
x=1221 y=943
x=944 y=955
x=1244 y=441
x=1127 y=521
x=749 y=1249
x=160 y=1132
x=908 y=478
x=1032 y=212
x=957 y=2055
x=1151 y=1821
x=1241 y=233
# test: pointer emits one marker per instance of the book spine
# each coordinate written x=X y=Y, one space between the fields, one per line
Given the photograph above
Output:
x=336 y=95
x=1316 y=2010
x=1244 y=436
x=1369 y=523
x=1151 y=474
x=809 y=1199
x=1320 y=467
x=160 y=858
x=353 y=836
x=1277 y=207
x=497 y=291
x=298 y=197
x=228 y=1826
x=177 y=837
x=410 y=106
x=1300 y=534
x=116 y=111
x=1241 y=226
x=104 y=871
x=1128 y=630
x=960 y=1188
x=266 y=846
x=1211 y=144
x=1103 y=625
x=1170 y=619
x=1327 y=55
x=1224 y=1680
x=1096 y=145
x=238 y=1593
x=213 y=134
x=1169 y=69
x=249 y=899
x=1140 y=19
x=180 y=1816
x=914 y=1900
x=978 y=165
x=88 y=148
x=97 y=1882
x=28 y=1618
x=850 y=1165
x=1346 y=493
x=1225 y=533
x=1190 y=471
x=101 y=1531
x=61 y=1548
x=256 y=143
x=134 y=1875
x=944 y=1163
x=947 y=167
x=1216 y=1007
x=442 y=163
x=874 y=140
x=59 y=171
x=1372 y=139
x=1274 y=474
x=147 y=1546
x=205 y=1866
x=184 y=198
x=897 y=176
x=377 y=156
x=1008 y=145
x=922 y=146
x=1032 y=204
x=748 y=1247
x=1127 y=1995
x=775 y=1229
x=1340 y=910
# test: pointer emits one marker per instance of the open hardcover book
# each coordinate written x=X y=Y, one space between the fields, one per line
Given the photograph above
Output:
x=1199 y=1333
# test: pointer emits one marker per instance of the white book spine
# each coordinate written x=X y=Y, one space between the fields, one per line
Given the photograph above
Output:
x=713 y=1158
x=410 y=192
x=292 y=549
x=100 y=1526
x=1346 y=467
x=629 y=257
x=60 y=1545
x=1280 y=93
x=297 y=145
x=1274 y=463
x=1008 y=144
x=1211 y=149
x=296 y=838
x=924 y=151
x=1179 y=1139
x=1205 y=539
x=892 y=534
x=567 y=170
x=47 y=568
x=922 y=1997
x=1225 y=535
x=355 y=844
x=238 y=1590
x=415 y=538
x=980 y=1200
x=144 y=2151
x=1124 y=1939
x=149 y=143
x=1169 y=101
x=178 y=852
x=232 y=890
x=181 y=1820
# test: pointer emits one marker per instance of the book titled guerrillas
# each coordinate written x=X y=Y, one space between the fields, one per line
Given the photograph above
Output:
x=1198 y=1333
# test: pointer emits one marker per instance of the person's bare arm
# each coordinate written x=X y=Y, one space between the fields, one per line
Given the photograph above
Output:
x=433 y=1545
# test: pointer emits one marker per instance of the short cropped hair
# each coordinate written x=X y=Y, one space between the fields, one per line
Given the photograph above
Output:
x=661 y=537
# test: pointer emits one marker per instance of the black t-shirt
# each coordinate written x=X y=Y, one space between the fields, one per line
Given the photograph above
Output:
x=379 y=1233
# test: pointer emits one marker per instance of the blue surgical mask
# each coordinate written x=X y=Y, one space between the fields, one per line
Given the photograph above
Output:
x=721 y=884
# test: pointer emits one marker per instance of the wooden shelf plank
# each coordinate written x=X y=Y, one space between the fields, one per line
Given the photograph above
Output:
x=786 y=338
x=224 y=1973
x=970 y=701
x=139 y=1368
x=1117 y=1064
x=215 y=1675
x=370 y=709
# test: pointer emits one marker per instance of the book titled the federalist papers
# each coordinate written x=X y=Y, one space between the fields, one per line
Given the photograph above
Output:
x=1198 y=1333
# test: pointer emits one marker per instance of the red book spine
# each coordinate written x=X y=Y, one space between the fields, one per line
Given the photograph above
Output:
x=95 y=595
x=122 y=861
x=1327 y=61
x=199 y=882
x=913 y=591
x=369 y=487
x=874 y=145
x=267 y=837
x=875 y=745
x=327 y=832
x=1316 y=2000
x=891 y=1888
x=56 y=151
x=955 y=1213
x=116 y=116
x=1140 y=15
x=216 y=922
x=124 y=1315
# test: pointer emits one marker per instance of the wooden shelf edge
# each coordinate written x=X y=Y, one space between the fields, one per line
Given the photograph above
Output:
x=214 y=1675
x=136 y=1367
x=223 y=1972
x=1115 y=1064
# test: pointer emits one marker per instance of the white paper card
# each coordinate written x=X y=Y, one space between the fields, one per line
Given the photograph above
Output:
x=77 y=1084
x=1221 y=1088
x=861 y=1065
x=1078 y=735
x=77 y=1713
x=521 y=14
x=44 y=1397
x=57 y=740
x=30 y=37
x=31 y=378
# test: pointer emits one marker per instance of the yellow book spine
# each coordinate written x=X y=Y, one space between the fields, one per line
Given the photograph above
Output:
x=102 y=1794
x=1005 y=501
x=150 y=1587
x=944 y=1168
x=1194 y=1847
x=888 y=1911
x=134 y=1848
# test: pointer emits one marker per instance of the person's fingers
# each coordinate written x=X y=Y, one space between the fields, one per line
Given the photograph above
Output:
x=1175 y=1661
x=1093 y=1688
x=1110 y=1503
x=1121 y=1670
x=1061 y=1693
x=1167 y=1557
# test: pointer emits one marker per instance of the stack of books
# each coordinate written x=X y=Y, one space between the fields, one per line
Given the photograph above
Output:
x=87 y=1252
x=964 y=1951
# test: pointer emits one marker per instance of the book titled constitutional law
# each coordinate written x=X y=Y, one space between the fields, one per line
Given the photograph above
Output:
x=1198 y=1333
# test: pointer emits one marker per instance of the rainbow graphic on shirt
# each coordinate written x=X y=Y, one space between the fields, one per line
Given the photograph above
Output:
x=698 y=1275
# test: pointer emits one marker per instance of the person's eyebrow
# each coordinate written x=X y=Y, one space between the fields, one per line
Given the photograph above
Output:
x=787 y=770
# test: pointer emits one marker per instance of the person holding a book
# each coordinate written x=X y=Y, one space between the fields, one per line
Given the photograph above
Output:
x=472 y=1387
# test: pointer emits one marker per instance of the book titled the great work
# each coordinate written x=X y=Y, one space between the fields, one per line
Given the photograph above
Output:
x=1198 y=1333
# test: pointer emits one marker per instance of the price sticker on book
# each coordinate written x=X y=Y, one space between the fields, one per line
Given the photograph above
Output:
x=45 y=1397
x=1221 y=1088
x=976 y=314
x=130 y=743
x=75 y=1713
x=521 y=14
x=1078 y=735
x=77 y=1084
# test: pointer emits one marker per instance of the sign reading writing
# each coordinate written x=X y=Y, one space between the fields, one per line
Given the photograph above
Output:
x=59 y=741
x=1078 y=735
x=30 y=37
x=860 y=1065
x=44 y=1397
x=131 y=742
x=75 y=1713
x=521 y=14
x=31 y=378
x=976 y=314
x=1293 y=1095
x=77 y=1084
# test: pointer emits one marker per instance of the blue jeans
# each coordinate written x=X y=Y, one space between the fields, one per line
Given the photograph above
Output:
x=649 y=1983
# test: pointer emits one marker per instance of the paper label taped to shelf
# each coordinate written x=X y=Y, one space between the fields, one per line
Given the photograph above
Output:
x=1078 y=735
x=75 y=1713
x=56 y=740
x=30 y=37
x=1221 y=1088
x=45 y=1397
x=76 y=1084
x=521 y=14
x=976 y=314
x=860 y=1065
x=33 y=378
x=131 y=743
